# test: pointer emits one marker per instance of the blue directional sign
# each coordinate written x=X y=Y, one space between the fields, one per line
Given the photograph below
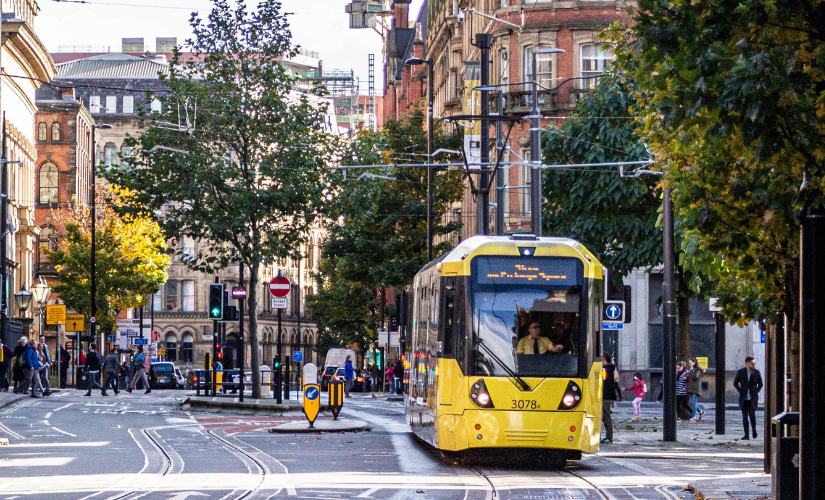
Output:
x=612 y=326
x=297 y=357
x=139 y=341
x=613 y=311
x=312 y=393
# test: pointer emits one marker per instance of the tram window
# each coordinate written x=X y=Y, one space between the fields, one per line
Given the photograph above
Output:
x=527 y=315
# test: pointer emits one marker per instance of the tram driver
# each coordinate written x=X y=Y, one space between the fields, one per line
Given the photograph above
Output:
x=534 y=343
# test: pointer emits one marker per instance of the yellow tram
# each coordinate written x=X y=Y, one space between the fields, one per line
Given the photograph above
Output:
x=475 y=381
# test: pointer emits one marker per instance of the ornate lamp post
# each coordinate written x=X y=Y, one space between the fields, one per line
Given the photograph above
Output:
x=23 y=299
x=42 y=291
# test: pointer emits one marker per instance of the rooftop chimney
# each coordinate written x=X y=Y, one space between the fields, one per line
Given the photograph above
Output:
x=132 y=46
x=68 y=94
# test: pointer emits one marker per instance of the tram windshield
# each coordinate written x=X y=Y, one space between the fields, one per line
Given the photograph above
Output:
x=527 y=315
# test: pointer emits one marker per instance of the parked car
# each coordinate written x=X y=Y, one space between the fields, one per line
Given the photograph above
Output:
x=181 y=380
x=162 y=375
x=329 y=372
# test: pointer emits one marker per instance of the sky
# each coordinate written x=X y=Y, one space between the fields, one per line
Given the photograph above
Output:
x=318 y=25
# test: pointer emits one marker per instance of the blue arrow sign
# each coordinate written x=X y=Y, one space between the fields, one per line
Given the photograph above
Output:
x=613 y=312
x=297 y=357
x=311 y=393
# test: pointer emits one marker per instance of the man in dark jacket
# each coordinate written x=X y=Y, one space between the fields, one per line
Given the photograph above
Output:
x=748 y=383
x=6 y=355
x=93 y=366
x=110 y=366
x=610 y=389
x=65 y=361
x=398 y=375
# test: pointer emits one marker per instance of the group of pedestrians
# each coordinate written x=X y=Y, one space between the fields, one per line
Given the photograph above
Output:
x=29 y=365
x=115 y=370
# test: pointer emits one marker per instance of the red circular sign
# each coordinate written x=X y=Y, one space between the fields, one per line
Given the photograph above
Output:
x=279 y=287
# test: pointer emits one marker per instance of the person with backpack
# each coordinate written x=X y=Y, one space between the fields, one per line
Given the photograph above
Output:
x=695 y=390
x=93 y=365
x=110 y=366
x=140 y=372
x=640 y=389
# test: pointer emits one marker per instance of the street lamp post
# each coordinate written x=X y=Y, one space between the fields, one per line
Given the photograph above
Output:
x=413 y=62
x=535 y=146
x=92 y=200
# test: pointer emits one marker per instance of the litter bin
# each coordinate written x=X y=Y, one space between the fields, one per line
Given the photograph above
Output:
x=785 y=457
x=266 y=380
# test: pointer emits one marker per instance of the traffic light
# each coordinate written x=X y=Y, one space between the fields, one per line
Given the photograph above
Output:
x=231 y=313
x=276 y=361
x=216 y=302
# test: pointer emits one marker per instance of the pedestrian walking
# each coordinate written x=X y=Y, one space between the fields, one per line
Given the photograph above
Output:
x=110 y=366
x=349 y=376
x=19 y=364
x=65 y=361
x=639 y=389
x=140 y=372
x=45 y=363
x=123 y=375
x=390 y=379
x=374 y=374
x=398 y=376
x=610 y=392
x=6 y=356
x=93 y=366
x=695 y=390
x=31 y=367
x=748 y=382
x=682 y=407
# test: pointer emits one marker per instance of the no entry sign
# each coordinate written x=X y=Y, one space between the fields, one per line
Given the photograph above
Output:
x=279 y=287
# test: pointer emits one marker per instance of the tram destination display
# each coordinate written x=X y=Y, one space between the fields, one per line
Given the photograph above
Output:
x=520 y=270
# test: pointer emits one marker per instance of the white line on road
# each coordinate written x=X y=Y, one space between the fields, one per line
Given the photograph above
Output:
x=46 y=416
x=63 y=407
x=368 y=493
x=46 y=422
x=64 y=432
x=10 y=432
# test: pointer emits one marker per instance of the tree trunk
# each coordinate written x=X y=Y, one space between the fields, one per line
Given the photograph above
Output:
x=683 y=306
x=254 y=345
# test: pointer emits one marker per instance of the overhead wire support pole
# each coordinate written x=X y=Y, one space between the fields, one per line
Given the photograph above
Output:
x=483 y=41
x=500 y=184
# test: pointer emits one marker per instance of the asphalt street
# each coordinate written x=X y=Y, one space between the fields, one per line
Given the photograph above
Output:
x=134 y=446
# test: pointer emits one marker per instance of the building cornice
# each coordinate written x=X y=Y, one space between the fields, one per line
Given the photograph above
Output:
x=19 y=37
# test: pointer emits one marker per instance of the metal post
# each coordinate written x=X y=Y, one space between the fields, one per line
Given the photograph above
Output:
x=720 y=374
x=93 y=202
x=535 y=155
x=4 y=217
x=500 y=191
x=430 y=149
x=280 y=391
x=214 y=360
x=770 y=395
x=241 y=354
x=668 y=325
x=483 y=44
x=812 y=349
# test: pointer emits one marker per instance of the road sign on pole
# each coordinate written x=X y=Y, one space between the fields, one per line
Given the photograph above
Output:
x=613 y=311
x=279 y=286
x=312 y=402
x=56 y=315
x=75 y=323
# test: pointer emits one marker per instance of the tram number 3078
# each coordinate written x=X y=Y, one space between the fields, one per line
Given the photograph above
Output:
x=525 y=404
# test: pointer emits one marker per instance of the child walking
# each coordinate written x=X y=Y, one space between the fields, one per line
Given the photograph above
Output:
x=639 y=388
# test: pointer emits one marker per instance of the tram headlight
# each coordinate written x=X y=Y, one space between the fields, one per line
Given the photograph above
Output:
x=572 y=396
x=480 y=396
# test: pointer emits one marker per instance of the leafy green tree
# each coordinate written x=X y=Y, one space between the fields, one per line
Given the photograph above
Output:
x=733 y=94
x=378 y=234
x=131 y=261
x=245 y=172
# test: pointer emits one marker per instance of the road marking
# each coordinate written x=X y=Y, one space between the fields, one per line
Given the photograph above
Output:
x=46 y=422
x=64 y=432
x=368 y=493
x=46 y=416
x=64 y=406
x=10 y=432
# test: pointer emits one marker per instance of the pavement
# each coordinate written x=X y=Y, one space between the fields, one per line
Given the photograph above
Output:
x=322 y=424
x=225 y=403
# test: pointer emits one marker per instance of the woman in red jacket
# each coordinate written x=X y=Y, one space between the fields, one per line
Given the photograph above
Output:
x=639 y=389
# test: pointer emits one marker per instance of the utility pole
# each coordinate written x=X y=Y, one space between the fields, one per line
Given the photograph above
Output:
x=812 y=349
x=668 y=324
x=720 y=374
x=535 y=154
x=241 y=354
x=501 y=200
x=4 y=215
x=483 y=43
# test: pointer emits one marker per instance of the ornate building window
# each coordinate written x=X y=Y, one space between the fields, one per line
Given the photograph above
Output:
x=48 y=183
x=594 y=62
x=110 y=155
x=544 y=69
x=171 y=347
x=47 y=240
x=186 y=350
x=55 y=132
x=188 y=295
x=41 y=132
x=172 y=295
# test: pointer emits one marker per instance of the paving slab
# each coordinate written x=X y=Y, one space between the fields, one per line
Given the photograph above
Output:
x=322 y=425
x=757 y=487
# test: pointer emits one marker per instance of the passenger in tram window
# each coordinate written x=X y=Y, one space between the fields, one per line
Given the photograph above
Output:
x=563 y=336
x=534 y=343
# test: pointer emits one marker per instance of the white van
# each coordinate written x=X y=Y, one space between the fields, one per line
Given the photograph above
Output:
x=336 y=358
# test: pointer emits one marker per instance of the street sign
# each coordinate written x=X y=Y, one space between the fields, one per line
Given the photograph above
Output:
x=208 y=337
x=279 y=303
x=131 y=328
x=312 y=402
x=297 y=357
x=279 y=286
x=713 y=305
x=140 y=341
x=613 y=311
x=75 y=323
x=703 y=362
x=161 y=352
x=111 y=338
x=612 y=326
x=56 y=315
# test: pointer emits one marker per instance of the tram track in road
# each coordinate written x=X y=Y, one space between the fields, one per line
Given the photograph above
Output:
x=262 y=467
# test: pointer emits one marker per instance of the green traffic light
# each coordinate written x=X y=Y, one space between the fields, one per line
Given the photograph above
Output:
x=216 y=312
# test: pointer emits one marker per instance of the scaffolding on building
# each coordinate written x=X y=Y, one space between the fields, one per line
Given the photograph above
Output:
x=343 y=87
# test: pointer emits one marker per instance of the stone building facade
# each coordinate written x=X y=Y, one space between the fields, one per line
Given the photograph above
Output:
x=26 y=64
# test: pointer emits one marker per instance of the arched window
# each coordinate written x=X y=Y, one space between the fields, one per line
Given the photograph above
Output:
x=186 y=350
x=41 y=132
x=55 y=132
x=48 y=182
x=46 y=241
x=110 y=154
x=171 y=347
